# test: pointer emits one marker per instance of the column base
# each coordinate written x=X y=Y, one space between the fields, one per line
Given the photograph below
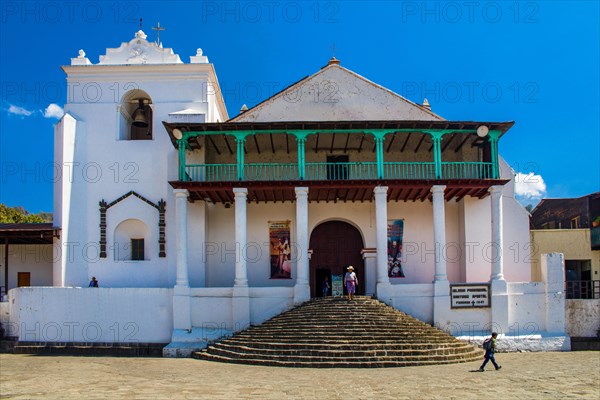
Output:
x=240 y=309
x=301 y=294
x=441 y=303
x=499 y=302
x=384 y=293
x=182 y=310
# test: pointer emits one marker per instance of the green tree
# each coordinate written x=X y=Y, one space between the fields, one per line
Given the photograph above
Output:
x=18 y=215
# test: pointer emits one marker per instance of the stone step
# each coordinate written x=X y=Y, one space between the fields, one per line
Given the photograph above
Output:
x=339 y=352
x=336 y=345
x=330 y=364
x=347 y=335
x=344 y=357
x=86 y=349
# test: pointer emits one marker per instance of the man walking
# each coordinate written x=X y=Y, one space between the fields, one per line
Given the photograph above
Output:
x=490 y=349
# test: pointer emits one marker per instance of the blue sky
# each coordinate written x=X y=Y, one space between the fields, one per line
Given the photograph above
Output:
x=534 y=62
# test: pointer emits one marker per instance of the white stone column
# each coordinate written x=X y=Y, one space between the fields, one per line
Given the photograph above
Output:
x=439 y=232
x=240 y=302
x=181 y=235
x=500 y=303
x=302 y=289
x=241 y=274
x=441 y=286
x=182 y=318
x=381 y=217
x=497 y=247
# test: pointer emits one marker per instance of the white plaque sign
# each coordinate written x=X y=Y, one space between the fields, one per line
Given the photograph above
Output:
x=470 y=295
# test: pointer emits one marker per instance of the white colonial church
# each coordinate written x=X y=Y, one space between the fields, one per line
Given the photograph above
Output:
x=197 y=224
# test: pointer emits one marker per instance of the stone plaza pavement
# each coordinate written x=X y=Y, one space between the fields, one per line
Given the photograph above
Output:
x=523 y=376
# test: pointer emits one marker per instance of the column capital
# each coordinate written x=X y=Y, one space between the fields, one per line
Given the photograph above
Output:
x=495 y=190
x=301 y=191
x=240 y=192
x=181 y=192
x=379 y=190
x=438 y=189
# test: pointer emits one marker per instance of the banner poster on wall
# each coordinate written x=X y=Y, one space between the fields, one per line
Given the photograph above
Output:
x=395 y=231
x=281 y=252
x=337 y=285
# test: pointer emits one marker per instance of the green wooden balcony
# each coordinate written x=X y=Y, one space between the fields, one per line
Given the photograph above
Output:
x=348 y=171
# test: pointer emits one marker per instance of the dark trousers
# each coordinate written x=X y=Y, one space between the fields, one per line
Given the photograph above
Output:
x=489 y=356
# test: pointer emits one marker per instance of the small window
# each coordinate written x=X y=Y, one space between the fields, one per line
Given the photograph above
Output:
x=575 y=223
x=137 y=249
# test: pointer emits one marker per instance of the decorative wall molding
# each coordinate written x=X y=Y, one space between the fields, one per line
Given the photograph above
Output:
x=160 y=207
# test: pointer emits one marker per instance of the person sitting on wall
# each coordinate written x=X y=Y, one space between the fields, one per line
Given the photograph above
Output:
x=93 y=282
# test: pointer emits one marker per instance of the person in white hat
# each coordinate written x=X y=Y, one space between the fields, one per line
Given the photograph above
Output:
x=351 y=282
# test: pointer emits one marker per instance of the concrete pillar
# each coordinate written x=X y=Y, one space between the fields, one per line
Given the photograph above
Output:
x=241 y=274
x=439 y=232
x=302 y=289
x=553 y=276
x=182 y=318
x=497 y=259
x=383 y=282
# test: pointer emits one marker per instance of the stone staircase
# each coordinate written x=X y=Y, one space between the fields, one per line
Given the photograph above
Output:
x=335 y=333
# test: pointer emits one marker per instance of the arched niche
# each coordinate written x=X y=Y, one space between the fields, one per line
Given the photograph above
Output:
x=130 y=239
x=136 y=109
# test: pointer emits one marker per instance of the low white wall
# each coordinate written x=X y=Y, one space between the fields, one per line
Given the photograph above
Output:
x=526 y=308
x=583 y=317
x=211 y=308
x=52 y=314
x=413 y=299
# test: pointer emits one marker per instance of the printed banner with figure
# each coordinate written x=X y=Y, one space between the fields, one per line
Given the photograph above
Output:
x=395 y=231
x=281 y=252
x=337 y=285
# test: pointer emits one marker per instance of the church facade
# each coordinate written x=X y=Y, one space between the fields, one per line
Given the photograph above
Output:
x=197 y=224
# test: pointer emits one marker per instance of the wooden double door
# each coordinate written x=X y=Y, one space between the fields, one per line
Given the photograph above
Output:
x=335 y=245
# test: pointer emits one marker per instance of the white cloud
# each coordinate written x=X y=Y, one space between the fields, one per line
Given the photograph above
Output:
x=530 y=186
x=54 y=111
x=16 y=110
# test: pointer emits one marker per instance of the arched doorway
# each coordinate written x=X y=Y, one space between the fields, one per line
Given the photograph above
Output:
x=335 y=245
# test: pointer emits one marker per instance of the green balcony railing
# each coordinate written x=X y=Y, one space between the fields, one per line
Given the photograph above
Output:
x=409 y=170
x=467 y=170
x=270 y=172
x=341 y=171
x=211 y=172
x=337 y=171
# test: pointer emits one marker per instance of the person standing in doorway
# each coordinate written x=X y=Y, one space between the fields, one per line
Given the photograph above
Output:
x=351 y=282
x=490 y=349
x=326 y=286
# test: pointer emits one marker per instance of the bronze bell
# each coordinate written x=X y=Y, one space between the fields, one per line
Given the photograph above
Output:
x=139 y=116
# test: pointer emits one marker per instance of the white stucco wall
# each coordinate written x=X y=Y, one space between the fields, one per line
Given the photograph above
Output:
x=91 y=315
x=104 y=167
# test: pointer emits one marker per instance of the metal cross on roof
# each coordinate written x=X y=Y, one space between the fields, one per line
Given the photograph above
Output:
x=158 y=28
